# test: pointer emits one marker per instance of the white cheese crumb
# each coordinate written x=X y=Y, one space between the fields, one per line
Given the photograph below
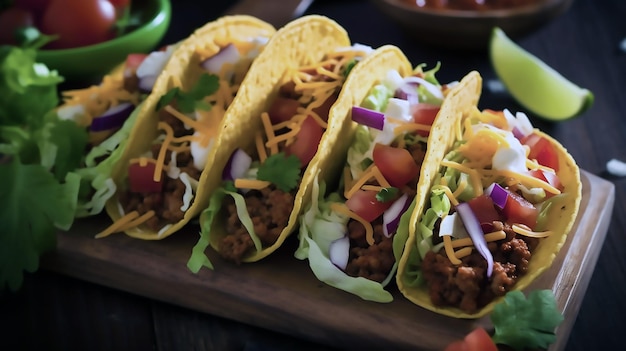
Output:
x=616 y=167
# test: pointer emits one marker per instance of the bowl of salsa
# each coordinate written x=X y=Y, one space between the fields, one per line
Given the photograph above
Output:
x=468 y=24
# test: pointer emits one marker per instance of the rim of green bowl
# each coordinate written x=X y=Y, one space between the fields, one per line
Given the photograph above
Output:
x=162 y=14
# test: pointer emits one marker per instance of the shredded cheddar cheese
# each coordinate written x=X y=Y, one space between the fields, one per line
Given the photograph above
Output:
x=343 y=209
x=251 y=184
x=447 y=244
x=529 y=233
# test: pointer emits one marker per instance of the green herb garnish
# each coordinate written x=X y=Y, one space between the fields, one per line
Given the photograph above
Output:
x=282 y=171
x=387 y=194
x=192 y=100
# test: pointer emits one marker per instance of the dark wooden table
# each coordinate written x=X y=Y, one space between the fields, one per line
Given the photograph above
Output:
x=56 y=312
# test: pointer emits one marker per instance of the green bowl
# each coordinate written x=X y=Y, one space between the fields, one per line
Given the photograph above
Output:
x=90 y=62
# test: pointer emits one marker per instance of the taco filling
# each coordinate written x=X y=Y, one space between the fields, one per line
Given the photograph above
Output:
x=488 y=210
x=162 y=182
x=355 y=228
x=108 y=110
x=262 y=187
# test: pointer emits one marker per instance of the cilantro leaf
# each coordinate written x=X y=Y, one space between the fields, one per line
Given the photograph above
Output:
x=188 y=102
x=386 y=194
x=34 y=206
x=526 y=323
x=282 y=171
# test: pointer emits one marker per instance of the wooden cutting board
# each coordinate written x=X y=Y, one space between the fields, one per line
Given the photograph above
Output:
x=281 y=293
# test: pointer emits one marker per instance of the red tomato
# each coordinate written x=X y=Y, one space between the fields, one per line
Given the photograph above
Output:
x=396 y=164
x=307 y=141
x=424 y=114
x=365 y=205
x=78 y=22
x=547 y=177
x=119 y=4
x=477 y=340
x=283 y=109
x=11 y=20
x=141 y=178
x=542 y=150
x=519 y=211
x=324 y=108
x=484 y=209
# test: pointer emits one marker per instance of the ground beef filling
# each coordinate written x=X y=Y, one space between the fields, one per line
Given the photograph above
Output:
x=466 y=286
x=374 y=262
x=166 y=204
x=269 y=209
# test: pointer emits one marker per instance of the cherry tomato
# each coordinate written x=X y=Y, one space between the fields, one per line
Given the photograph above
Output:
x=396 y=164
x=307 y=141
x=519 y=211
x=78 y=22
x=424 y=114
x=476 y=340
x=542 y=150
x=11 y=20
x=141 y=178
x=282 y=109
x=120 y=3
x=484 y=209
x=365 y=205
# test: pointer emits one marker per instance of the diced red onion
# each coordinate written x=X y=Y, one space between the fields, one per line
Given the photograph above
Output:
x=339 y=252
x=408 y=94
x=391 y=217
x=476 y=233
x=238 y=164
x=146 y=84
x=228 y=54
x=368 y=117
x=112 y=118
x=498 y=194
x=432 y=88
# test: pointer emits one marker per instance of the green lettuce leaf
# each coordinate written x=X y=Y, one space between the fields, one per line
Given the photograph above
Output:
x=35 y=205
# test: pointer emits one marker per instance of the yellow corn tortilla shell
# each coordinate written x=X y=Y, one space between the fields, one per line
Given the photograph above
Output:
x=561 y=217
x=301 y=42
x=184 y=65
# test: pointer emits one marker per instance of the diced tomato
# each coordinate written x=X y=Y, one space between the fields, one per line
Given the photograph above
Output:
x=307 y=141
x=134 y=60
x=366 y=206
x=396 y=164
x=479 y=340
x=549 y=178
x=424 y=114
x=484 y=210
x=519 y=211
x=324 y=108
x=476 y=340
x=141 y=178
x=283 y=109
x=542 y=150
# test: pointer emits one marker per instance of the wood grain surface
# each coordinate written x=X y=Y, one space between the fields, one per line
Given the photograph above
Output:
x=281 y=294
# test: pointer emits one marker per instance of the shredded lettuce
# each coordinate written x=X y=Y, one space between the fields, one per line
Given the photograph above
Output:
x=198 y=258
x=319 y=227
x=378 y=97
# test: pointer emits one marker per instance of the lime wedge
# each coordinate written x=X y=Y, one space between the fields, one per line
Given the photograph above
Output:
x=534 y=84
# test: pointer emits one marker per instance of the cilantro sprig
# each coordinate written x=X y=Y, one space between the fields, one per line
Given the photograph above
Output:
x=188 y=102
x=281 y=170
x=526 y=323
x=387 y=194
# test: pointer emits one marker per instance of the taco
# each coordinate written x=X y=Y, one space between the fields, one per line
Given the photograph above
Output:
x=353 y=236
x=108 y=110
x=171 y=148
x=500 y=204
x=267 y=158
